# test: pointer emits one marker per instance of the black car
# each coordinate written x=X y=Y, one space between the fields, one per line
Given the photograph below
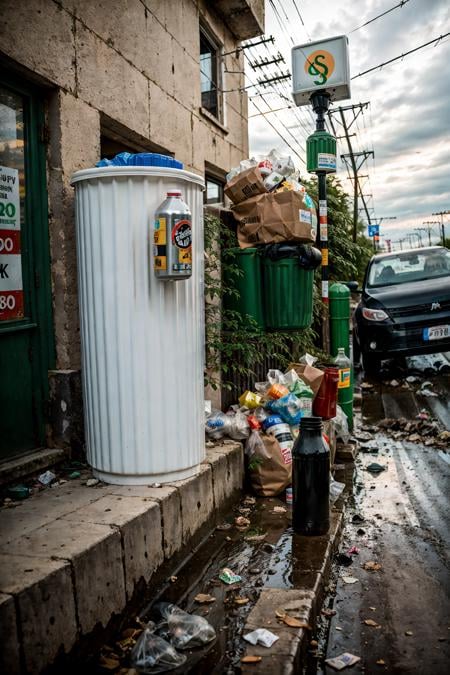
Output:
x=405 y=306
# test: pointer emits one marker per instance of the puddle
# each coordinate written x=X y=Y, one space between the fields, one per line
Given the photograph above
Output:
x=252 y=560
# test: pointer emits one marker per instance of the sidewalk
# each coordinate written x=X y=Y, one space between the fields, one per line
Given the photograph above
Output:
x=74 y=556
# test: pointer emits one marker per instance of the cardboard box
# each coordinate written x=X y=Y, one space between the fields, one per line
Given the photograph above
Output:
x=245 y=185
x=310 y=375
x=273 y=218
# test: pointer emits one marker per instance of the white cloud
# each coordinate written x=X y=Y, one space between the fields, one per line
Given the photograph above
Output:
x=409 y=117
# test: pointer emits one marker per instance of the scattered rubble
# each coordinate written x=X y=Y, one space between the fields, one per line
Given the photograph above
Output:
x=421 y=430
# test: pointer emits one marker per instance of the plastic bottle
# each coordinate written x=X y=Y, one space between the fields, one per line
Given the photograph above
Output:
x=311 y=480
x=345 y=384
x=324 y=404
x=343 y=363
x=172 y=250
x=274 y=426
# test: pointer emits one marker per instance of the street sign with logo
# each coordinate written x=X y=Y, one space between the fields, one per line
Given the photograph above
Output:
x=321 y=66
x=374 y=230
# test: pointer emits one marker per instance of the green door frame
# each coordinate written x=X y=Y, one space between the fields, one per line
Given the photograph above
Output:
x=36 y=246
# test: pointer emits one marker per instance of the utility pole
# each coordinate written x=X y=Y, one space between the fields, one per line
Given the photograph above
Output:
x=354 y=161
x=411 y=241
x=429 y=223
x=442 y=214
x=313 y=66
x=419 y=230
x=378 y=222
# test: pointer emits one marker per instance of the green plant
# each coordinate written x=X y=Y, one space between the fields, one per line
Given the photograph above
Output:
x=235 y=346
x=348 y=259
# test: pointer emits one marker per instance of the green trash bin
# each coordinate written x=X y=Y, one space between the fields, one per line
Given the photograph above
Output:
x=287 y=294
x=248 y=284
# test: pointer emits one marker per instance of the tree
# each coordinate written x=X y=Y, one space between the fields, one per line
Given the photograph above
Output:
x=348 y=260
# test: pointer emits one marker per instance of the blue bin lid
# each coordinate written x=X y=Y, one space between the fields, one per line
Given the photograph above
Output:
x=142 y=159
x=153 y=159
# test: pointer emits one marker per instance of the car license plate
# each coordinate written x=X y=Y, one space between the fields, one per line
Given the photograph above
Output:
x=436 y=332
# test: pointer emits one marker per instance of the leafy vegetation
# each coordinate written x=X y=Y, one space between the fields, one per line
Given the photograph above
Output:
x=348 y=259
x=235 y=349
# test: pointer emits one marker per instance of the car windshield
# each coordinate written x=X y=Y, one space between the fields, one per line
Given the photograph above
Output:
x=402 y=268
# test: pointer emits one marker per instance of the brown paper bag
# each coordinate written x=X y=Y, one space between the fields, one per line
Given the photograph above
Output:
x=246 y=184
x=270 y=471
x=273 y=218
x=310 y=375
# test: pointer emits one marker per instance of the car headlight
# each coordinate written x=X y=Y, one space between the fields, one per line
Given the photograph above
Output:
x=374 y=314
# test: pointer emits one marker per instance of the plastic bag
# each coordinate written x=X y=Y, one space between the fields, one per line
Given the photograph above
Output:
x=247 y=164
x=341 y=425
x=255 y=445
x=275 y=377
x=250 y=400
x=239 y=429
x=277 y=391
x=281 y=163
x=336 y=489
x=186 y=630
x=308 y=359
x=288 y=408
x=217 y=425
x=304 y=394
x=260 y=414
x=234 y=424
x=153 y=654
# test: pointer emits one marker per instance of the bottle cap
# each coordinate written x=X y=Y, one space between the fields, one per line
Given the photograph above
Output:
x=311 y=424
x=174 y=194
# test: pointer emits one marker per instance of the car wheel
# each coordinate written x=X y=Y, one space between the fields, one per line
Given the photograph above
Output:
x=371 y=364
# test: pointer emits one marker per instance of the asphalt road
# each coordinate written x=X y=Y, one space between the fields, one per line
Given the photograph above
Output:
x=406 y=529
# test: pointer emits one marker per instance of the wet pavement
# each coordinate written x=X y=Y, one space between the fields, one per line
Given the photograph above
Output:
x=396 y=617
x=392 y=612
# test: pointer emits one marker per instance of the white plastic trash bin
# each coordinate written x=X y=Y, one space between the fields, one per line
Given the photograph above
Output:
x=142 y=339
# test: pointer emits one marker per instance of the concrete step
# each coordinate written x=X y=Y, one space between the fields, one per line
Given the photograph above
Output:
x=74 y=557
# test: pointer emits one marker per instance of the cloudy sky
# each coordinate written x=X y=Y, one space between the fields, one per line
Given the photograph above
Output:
x=408 y=121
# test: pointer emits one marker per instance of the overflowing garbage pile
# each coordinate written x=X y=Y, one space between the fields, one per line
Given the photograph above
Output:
x=268 y=420
x=269 y=202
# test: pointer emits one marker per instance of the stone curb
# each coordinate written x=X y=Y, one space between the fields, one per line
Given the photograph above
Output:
x=72 y=558
x=286 y=655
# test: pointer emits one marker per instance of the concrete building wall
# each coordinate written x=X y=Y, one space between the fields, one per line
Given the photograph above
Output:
x=129 y=69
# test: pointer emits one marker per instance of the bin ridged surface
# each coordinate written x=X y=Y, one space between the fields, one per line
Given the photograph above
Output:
x=340 y=337
x=288 y=294
x=142 y=339
x=248 y=285
x=339 y=318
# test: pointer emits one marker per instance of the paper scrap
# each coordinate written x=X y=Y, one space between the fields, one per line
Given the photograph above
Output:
x=261 y=636
x=345 y=660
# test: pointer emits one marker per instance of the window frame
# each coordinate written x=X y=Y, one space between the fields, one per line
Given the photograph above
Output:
x=209 y=178
x=217 y=48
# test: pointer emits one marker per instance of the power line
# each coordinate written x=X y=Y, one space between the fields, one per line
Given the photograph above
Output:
x=400 y=4
x=301 y=19
x=402 y=56
x=279 y=134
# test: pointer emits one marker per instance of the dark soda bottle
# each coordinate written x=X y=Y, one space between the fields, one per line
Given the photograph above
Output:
x=311 y=479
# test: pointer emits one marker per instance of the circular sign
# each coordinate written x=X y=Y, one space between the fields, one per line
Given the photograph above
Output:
x=182 y=234
x=320 y=65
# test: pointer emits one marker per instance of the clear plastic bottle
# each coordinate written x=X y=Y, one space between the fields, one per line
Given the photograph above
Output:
x=344 y=364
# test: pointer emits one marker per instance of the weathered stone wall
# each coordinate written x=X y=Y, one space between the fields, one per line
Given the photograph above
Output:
x=130 y=62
